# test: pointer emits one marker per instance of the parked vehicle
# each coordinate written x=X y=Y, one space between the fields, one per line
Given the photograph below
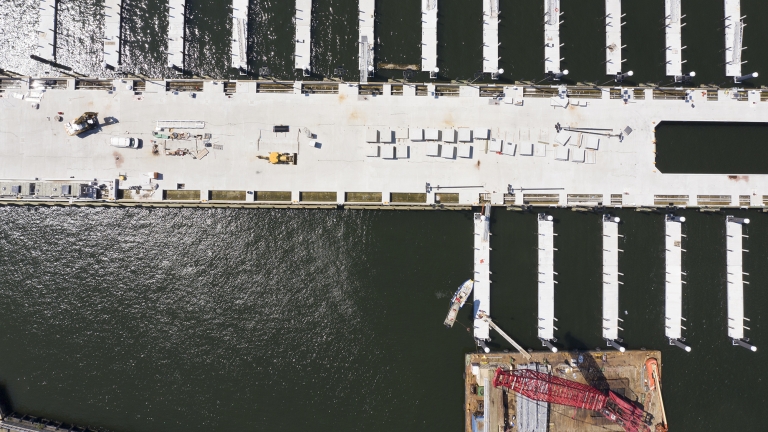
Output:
x=124 y=142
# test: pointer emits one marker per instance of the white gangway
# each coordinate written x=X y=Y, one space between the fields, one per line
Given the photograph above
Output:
x=46 y=30
x=482 y=288
x=491 y=38
x=303 y=53
x=674 y=40
x=611 y=281
x=240 y=35
x=112 y=15
x=429 y=36
x=366 y=14
x=673 y=293
x=735 y=280
x=176 y=11
x=613 y=45
x=546 y=281
x=552 y=14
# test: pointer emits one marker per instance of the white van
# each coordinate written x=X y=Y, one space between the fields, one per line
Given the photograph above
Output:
x=124 y=142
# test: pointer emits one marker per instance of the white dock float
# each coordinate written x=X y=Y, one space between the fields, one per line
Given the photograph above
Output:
x=673 y=303
x=734 y=34
x=46 y=30
x=429 y=35
x=240 y=35
x=735 y=279
x=176 y=11
x=674 y=40
x=367 y=13
x=546 y=280
x=491 y=37
x=613 y=46
x=303 y=54
x=482 y=287
x=611 y=281
x=112 y=17
x=552 y=36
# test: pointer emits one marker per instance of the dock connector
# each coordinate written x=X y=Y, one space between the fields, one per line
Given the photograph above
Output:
x=744 y=344
x=615 y=344
x=678 y=343
x=548 y=344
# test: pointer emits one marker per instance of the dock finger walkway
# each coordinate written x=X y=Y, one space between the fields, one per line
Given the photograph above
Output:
x=611 y=281
x=491 y=37
x=240 y=35
x=46 y=29
x=367 y=14
x=673 y=295
x=552 y=58
x=546 y=280
x=734 y=236
x=176 y=17
x=674 y=40
x=734 y=33
x=112 y=19
x=429 y=35
x=303 y=53
x=613 y=46
x=482 y=287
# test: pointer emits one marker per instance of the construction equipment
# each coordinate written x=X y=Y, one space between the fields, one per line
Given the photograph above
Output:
x=85 y=122
x=276 y=158
x=543 y=387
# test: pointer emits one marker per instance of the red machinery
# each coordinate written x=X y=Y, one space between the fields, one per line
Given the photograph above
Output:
x=547 y=388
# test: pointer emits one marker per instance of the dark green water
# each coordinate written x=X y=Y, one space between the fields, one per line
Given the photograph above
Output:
x=176 y=320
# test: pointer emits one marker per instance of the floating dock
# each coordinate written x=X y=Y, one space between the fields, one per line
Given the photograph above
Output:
x=482 y=287
x=673 y=32
x=112 y=19
x=429 y=36
x=611 y=281
x=491 y=37
x=734 y=236
x=613 y=60
x=734 y=36
x=366 y=16
x=673 y=297
x=546 y=280
x=240 y=35
x=552 y=14
x=46 y=29
x=488 y=408
x=176 y=29
x=302 y=58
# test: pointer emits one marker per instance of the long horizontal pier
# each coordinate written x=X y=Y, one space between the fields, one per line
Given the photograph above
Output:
x=303 y=53
x=112 y=20
x=240 y=35
x=176 y=32
x=613 y=60
x=367 y=15
x=673 y=34
x=546 y=272
x=46 y=29
x=734 y=35
x=552 y=58
x=429 y=35
x=491 y=36
x=611 y=280
x=673 y=293
x=482 y=288
x=735 y=279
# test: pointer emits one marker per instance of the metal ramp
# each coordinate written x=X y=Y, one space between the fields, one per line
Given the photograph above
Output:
x=735 y=280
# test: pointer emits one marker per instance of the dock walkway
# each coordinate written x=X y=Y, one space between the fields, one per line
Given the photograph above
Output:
x=546 y=279
x=734 y=236
x=491 y=36
x=482 y=260
x=240 y=35
x=552 y=58
x=367 y=15
x=674 y=40
x=734 y=34
x=613 y=46
x=303 y=53
x=428 y=35
x=673 y=297
x=610 y=278
x=112 y=19
x=176 y=29
x=46 y=30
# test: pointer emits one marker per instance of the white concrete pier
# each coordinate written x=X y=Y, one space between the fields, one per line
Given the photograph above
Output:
x=552 y=36
x=491 y=36
x=302 y=58
x=366 y=15
x=734 y=34
x=176 y=31
x=735 y=277
x=613 y=46
x=482 y=287
x=240 y=35
x=674 y=40
x=673 y=304
x=46 y=30
x=112 y=19
x=546 y=270
x=429 y=35
x=610 y=278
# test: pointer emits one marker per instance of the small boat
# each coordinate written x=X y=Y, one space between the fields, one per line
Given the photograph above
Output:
x=651 y=365
x=457 y=301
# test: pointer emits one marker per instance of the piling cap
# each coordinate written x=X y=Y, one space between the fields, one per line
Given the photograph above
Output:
x=370 y=68
x=692 y=74
x=746 y=220
x=754 y=74
x=549 y=217
x=622 y=349
x=681 y=218
x=617 y=219
x=565 y=72
x=687 y=349
x=753 y=349
x=487 y=350
x=630 y=73
x=554 y=350
x=501 y=71
x=436 y=70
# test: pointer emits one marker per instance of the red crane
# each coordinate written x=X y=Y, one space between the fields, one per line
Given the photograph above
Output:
x=543 y=387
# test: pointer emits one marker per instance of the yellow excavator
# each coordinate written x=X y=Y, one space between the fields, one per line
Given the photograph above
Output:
x=276 y=158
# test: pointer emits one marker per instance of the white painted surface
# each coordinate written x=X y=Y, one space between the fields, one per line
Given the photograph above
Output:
x=240 y=34
x=303 y=53
x=552 y=36
x=176 y=18
x=734 y=278
x=428 y=35
x=610 y=279
x=734 y=33
x=46 y=30
x=612 y=37
x=673 y=34
x=367 y=13
x=673 y=305
x=546 y=279
x=490 y=36
x=112 y=14
x=482 y=288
